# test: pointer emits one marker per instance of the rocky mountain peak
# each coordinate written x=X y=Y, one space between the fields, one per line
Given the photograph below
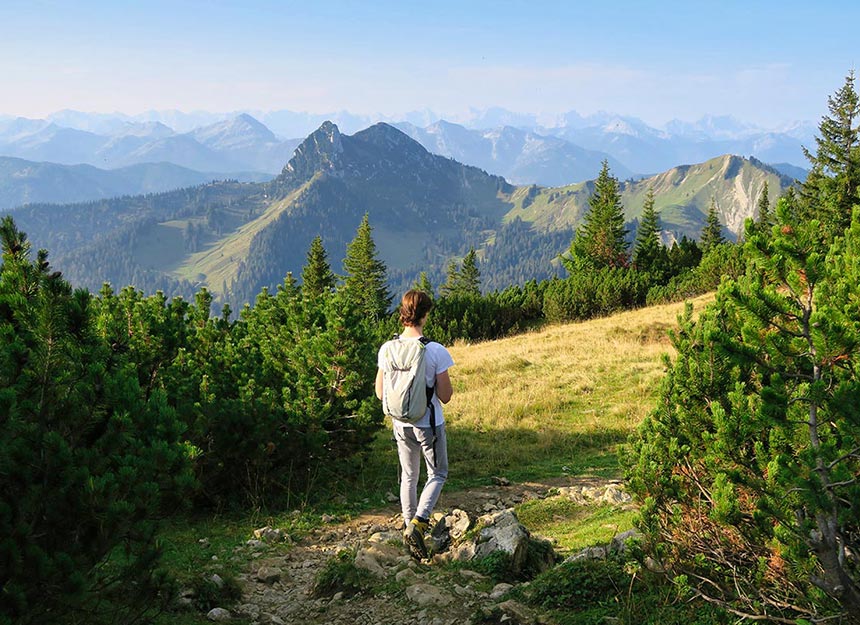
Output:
x=320 y=151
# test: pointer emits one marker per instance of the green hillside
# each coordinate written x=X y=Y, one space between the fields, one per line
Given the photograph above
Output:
x=682 y=196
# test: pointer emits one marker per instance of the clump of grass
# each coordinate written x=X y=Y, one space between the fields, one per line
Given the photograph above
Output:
x=208 y=594
x=340 y=574
x=574 y=526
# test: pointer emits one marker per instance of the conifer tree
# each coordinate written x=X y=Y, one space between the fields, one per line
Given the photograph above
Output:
x=464 y=279
x=453 y=279
x=470 y=275
x=601 y=239
x=832 y=187
x=365 y=282
x=748 y=465
x=88 y=460
x=712 y=234
x=423 y=284
x=317 y=276
x=764 y=206
x=649 y=254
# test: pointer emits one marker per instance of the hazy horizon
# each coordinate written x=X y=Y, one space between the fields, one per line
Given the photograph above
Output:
x=770 y=64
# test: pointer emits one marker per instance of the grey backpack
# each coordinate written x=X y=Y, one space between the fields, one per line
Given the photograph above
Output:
x=405 y=394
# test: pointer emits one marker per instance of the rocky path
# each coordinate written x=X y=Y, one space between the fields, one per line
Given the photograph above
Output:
x=278 y=583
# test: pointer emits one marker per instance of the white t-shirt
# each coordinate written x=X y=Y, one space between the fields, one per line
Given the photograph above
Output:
x=437 y=360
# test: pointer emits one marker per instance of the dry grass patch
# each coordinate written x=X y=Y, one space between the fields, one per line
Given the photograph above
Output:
x=564 y=396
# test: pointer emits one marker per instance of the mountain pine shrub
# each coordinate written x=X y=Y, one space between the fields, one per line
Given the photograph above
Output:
x=89 y=459
x=748 y=467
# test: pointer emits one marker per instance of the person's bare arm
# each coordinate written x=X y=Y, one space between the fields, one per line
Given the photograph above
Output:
x=444 y=390
x=379 y=384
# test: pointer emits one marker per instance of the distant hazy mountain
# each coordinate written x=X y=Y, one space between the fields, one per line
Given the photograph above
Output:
x=238 y=144
x=521 y=156
x=24 y=182
x=246 y=140
x=109 y=139
x=645 y=149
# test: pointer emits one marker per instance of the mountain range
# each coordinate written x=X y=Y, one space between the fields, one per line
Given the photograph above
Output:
x=425 y=210
x=29 y=182
x=239 y=144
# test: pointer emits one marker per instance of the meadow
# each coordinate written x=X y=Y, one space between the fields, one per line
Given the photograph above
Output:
x=551 y=406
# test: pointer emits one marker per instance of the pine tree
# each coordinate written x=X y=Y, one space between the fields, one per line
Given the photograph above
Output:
x=317 y=276
x=88 y=460
x=764 y=206
x=470 y=275
x=649 y=254
x=365 y=282
x=712 y=234
x=601 y=239
x=832 y=187
x=464 y=279
x=749 y=461
x=423 y=284
x=452 y=280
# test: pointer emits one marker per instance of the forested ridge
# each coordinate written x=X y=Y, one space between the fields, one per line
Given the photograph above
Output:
x=427 y=210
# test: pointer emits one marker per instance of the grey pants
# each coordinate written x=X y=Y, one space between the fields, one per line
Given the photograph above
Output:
x=412 y=444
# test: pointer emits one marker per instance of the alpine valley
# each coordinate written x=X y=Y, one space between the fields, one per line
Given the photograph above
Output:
x=235 y=238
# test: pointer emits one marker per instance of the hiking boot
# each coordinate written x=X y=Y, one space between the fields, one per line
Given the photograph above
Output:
x=413 y=536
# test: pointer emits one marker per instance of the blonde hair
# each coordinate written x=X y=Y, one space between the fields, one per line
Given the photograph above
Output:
x=414 y=305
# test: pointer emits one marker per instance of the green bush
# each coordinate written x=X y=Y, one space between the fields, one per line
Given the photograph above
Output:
x=88 y=457
x=593 y=293
x=578 y=584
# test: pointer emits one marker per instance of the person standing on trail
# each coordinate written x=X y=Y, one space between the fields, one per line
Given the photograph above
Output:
x=421 y=434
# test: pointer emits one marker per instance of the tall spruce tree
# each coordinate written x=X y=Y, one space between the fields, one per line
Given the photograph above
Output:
x=832 y=188
x=649 y=254
x=601 y=239
x=763 y=206
x=423 y=284
x=365 y=282
x=470 y=275
x=464 y=279
x=712 y=233
x=317 y=276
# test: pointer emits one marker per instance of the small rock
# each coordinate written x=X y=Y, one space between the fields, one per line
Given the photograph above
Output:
x=203 y=542
x=425 y=595
x=218 y=615
x=499 y=590
x=406 y=576
x=501 y=481
x=255 y=544
x=249 y=610
x=338 y=596
x=327 y=518
x=518 y=612
x=619 y=543
x=270 y=535
x=217 y=580
x=268 y=575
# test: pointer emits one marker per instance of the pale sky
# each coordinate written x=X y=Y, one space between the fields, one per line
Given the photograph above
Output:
x=763 y=62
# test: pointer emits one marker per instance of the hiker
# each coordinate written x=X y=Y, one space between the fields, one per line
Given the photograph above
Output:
x=422 y=435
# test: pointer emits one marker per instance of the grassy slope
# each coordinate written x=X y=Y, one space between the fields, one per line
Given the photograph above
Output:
x=217 y=262
x=682 y=196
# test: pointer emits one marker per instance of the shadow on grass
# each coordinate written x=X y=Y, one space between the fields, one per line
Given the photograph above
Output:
x=519 y=454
